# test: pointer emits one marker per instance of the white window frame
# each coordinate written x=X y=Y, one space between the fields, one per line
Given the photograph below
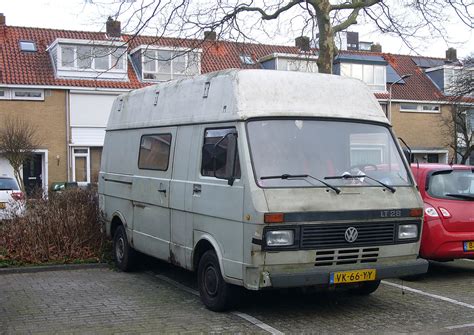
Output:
x=15 y=90
x=186 y=52
x=419 y=108
x=373 y=86
x=302 y=63
x=7 y=95
x=85 y=155
x=75 y=66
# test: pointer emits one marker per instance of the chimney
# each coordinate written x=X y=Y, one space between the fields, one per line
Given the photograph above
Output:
x=302 y=43
x=210 y=35
x=451 y=55
x=112 y=28
x=352 y=40
x=376 y=47
x=2 y=19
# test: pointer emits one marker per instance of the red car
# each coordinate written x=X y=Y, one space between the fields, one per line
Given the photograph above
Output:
x=448 y=195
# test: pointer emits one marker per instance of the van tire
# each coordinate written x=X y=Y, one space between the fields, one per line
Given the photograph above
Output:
x=124 y=254
x=215 y=293
x=367 y=288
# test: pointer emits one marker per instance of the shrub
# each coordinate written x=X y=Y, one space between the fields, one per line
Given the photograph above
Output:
x=65 y=228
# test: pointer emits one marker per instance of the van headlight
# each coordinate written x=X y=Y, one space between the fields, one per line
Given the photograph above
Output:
x=407 y=231
x=280 y=238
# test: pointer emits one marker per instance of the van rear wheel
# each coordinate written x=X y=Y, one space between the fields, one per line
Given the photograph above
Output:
x=123 y=253
x=216 y=294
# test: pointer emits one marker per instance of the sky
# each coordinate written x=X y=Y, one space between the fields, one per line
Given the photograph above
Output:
x=82 y=15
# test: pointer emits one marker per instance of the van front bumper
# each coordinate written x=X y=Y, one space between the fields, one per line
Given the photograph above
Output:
x=321 y=276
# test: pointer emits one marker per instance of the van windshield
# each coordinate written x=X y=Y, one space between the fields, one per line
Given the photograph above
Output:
x=324 y=149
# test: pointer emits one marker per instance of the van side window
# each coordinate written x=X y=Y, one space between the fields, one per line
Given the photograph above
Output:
x=154 y=152
x=225 y=153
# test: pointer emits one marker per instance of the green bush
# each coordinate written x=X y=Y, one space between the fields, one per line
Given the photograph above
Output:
x=65 y=228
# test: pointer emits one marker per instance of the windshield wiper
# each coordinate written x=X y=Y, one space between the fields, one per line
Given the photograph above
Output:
x=294 y=176
x=348 y=176
x=462 y=196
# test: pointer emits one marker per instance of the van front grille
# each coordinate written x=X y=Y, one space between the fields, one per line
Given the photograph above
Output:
x=326 y=236
x=346 y=256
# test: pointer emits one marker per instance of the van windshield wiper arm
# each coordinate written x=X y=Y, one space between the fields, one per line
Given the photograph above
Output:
x=348 y=176
x=462 y=196
x=294 y=176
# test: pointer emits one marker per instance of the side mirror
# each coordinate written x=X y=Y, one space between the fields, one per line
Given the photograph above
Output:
x=221 y=160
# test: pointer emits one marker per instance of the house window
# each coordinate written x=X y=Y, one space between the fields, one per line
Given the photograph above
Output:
x=154 y=152
x=81 y=172
x=28 y=46
x=26 y=94
x=168 y=64
x=87 y=57
x=372 y=75
x=4 y=94
x=419 y=108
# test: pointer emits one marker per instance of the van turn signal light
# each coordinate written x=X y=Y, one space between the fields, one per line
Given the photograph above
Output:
x=416 y=212
x=273 y=217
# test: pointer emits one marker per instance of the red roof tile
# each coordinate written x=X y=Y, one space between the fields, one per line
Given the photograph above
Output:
x=35 y=68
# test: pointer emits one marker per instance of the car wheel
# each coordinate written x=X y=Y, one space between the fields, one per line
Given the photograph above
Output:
x=216 y=294
x=367 y=288
x=123 y=253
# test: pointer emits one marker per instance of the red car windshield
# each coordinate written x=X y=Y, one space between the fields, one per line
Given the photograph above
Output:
x=452 y=184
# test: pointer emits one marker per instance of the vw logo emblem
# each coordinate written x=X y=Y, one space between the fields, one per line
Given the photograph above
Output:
x=351 y=234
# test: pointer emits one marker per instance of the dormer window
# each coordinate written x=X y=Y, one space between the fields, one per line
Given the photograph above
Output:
x=372 y=75
x=89 y=59
x=290 y=62
x=162 y=64
x=371 y=69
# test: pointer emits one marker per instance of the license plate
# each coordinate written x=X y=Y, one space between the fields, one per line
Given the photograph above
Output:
x=2 y=205
x=469 y=246
x=352 y=276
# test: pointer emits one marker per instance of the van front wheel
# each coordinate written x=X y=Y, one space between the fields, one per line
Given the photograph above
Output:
x=367 y=288
x=216 y=294
x=123 y=252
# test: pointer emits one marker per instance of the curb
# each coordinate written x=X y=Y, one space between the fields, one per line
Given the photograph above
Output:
x=58 y=267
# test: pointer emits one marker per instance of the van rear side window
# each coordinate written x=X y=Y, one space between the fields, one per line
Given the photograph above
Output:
x=154 y=152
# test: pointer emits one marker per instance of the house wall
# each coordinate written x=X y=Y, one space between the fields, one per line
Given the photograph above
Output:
x=50 y=118
x=422 y=130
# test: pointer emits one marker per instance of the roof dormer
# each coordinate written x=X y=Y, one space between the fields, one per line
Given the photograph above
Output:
x=160 y=63
x=88 y=59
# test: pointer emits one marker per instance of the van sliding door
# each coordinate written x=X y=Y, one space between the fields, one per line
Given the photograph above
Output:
x=151 y=192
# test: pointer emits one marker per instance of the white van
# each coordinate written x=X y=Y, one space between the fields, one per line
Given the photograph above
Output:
x=260 y=179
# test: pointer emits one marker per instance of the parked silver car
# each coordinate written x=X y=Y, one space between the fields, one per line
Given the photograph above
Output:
x=12 y=199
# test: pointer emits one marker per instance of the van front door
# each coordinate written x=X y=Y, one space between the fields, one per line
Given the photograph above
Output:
x=151 y=193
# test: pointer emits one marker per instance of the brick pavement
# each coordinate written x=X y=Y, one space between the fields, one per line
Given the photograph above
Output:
x=105 y=301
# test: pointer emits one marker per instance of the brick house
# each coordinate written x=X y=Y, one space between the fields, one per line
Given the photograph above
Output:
x=65 y=82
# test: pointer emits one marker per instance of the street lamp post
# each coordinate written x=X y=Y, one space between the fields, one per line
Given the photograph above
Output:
x=389 y=111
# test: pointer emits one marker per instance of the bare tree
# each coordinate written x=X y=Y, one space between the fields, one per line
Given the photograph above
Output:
x=321 y=19
x=460 y=121
x=18 y=141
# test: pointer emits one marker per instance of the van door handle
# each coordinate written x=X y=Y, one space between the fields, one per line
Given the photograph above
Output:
x=162 y=190
x=196 y=189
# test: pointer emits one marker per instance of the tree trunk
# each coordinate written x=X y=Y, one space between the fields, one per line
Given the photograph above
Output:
x=327 y=47
x=19 y=178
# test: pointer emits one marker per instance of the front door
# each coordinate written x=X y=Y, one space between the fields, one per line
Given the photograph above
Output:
x=33 y=174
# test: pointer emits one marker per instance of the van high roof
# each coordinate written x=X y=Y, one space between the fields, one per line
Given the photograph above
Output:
x=233 y=95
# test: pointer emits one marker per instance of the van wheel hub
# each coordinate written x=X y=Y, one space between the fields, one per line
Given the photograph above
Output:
x=120 y=249
x=211 y=281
